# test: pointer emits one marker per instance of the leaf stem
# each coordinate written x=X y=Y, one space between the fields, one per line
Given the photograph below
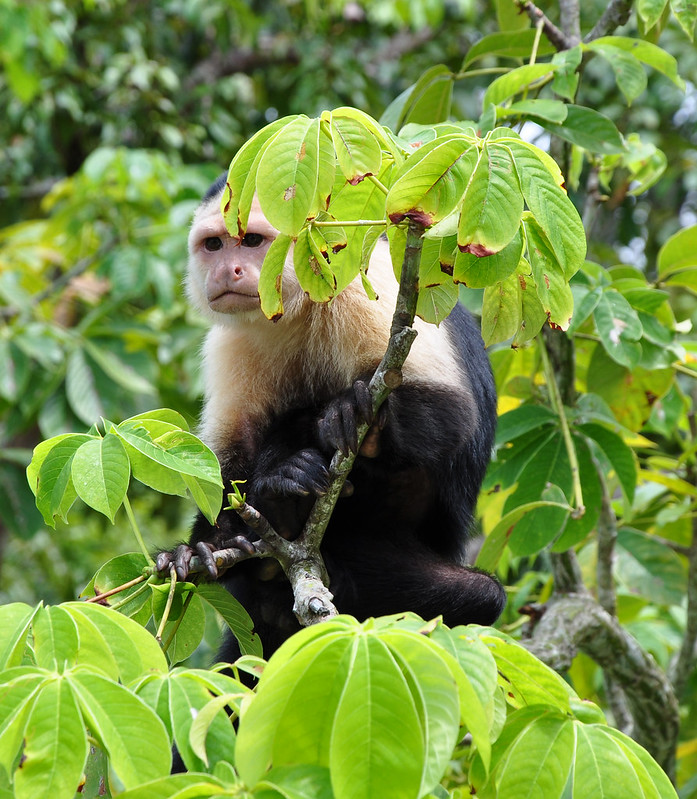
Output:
x=379 y=185
x=118 y=589
x=558 y=406
x=168 y=605
x=136 y=530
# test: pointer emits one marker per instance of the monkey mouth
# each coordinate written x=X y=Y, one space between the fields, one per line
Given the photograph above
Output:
x=231 y=301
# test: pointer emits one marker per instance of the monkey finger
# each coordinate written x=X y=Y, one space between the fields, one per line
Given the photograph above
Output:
x=349 y=427
x=242 y=543
x=182 y=561
x=364 y=401
x=163 y=561
x=205 y=552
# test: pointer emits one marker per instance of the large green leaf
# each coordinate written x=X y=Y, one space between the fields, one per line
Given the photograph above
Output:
x=542 y=182
x=375 y=706
x=589 y=129
x=49 y=475
x=646 y=52
x=507 y=44
x=619 y=328
x=241 y=177
x=629 y=73
x=132 y=735
x=492 y=204
x=295 y=175
x=426 y=102
x=358 y=152
x=516 y=81
x=56 y=639
x=55 y=748
x=271 y=277
x=551 y=285
x=678 y=253
x=432 y=181
x=101 y=472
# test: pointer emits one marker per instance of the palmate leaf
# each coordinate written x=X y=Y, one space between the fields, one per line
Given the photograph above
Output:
x=358 y=152
x=345 y=696
x=516 y=81
x=629 y=73
x=588 y=129
x=508 y=44
x=551 y=285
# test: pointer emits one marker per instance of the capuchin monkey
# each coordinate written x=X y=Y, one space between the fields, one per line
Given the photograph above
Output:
x=281 y=397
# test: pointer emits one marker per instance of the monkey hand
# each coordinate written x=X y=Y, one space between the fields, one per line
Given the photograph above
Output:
x=338 y=426
x=303 y=474
x=180 y=557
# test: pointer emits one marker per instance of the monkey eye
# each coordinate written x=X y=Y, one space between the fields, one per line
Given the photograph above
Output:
x=213 y=243
x=252 y=240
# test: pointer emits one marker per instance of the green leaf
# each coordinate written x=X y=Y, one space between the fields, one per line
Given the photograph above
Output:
x=685 y=12
x=80 y=388
x=507 y=44
x=178 y=786
x=271 y=277
x=55 y=748
x=241 y=179
x=620 y=456
x=132 y=735
x=610 y=765
x=651 y=11
x=524 y=679
x=480 y=272
x=56 y=639
x=101 y=472
x=629 y=74
x=550 y=110
x=516 y=81
x=551 y=738
x=358 y=152
x=296 y=168
x=15 y=620
x=588 y=129
x=646 y=52
x=619 y=328
x=426 y=102
x=114 y=643
x=551 y=285
x=492 y=204
x=541 y=182
x=52 y=481
x=432 y=181
x=235 y=616
x=678 y=253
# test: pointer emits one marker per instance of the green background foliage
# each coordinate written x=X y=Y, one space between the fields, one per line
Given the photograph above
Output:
x=117 y=116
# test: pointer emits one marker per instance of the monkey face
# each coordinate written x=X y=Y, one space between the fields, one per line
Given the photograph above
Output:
x=223 y=276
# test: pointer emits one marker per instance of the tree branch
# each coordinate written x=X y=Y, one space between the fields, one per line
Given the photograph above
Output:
x=557 y=37
x=616 y=14
x=576 y=622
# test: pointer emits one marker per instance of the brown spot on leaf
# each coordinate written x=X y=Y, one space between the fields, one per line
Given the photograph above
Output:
x=354 y=181
x=523 y=284
x=547 y=281
x=479 y=250
x=229 y=198
x=289 y=193
x=338 y=247
x=301 y=152
x=447 y=269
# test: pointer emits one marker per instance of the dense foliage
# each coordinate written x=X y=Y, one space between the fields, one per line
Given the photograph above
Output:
x=588 y=508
